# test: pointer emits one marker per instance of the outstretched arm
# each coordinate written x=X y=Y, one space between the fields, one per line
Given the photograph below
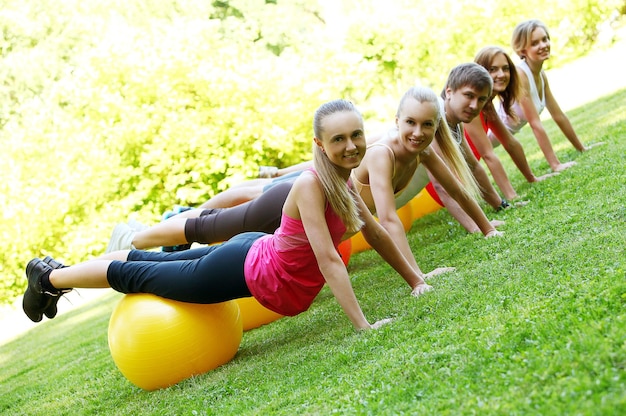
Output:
x=307 y=202
x=380 y=171
x=381 y=241
x=531 y=114
x=512 y=146
x=483 y=144
x=460 y=205
x=561 y=119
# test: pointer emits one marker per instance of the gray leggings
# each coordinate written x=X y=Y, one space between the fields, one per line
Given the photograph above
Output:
x=208 y=274
x=261 y=214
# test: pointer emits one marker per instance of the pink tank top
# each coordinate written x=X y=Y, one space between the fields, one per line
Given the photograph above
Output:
x=281 y=269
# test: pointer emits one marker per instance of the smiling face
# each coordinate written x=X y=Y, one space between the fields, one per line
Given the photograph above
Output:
x=500 y=72
x=417 y=124
x=343 y=140
x=464 y=104
x=538 y=48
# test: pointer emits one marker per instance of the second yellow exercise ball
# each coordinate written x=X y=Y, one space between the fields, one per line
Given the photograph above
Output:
x=253 y=314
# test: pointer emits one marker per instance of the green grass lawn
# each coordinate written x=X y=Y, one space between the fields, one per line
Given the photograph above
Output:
x=530 y=323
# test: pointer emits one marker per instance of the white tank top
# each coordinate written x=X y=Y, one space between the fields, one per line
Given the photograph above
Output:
x=538 y=102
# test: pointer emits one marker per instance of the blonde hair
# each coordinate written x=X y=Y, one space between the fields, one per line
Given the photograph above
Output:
x=522 y=35
x=452 y=156
x=340 y=197
x=451 y=153
x=421 y=95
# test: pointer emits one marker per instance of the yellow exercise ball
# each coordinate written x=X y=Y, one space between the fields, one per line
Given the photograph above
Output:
x=253 y=314
x=423 y=204
x=405 y=214
x=157 y=342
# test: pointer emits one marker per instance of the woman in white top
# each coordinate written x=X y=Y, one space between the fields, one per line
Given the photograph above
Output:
x=531 y=42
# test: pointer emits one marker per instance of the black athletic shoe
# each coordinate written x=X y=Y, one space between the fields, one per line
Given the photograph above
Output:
x=35 y=301
x=38 y=301
x=51 y=310
x=53 y=263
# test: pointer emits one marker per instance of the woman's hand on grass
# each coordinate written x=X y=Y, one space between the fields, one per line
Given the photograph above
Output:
x=438 y=271
x=496 y=223
x=546 y=176
x=380 y=323
x=421 y=289
x=562 y=166
x=592 y=145
x=494 y=233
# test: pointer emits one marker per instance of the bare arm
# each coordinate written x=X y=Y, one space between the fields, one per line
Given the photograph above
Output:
x=461 y=206
x=381 y=241
x=561 y=119
x=379 y=169
x=488 y=192
x=483 y=144
x=530 y=113
x=512 y=146
x=306 y=201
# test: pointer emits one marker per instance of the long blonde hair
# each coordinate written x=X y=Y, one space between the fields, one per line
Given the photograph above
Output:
x=452 y=156
x=340 y=197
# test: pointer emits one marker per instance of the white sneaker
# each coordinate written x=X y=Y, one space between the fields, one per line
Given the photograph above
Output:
x=121 y=239
x=268 y=171
x=137 y=226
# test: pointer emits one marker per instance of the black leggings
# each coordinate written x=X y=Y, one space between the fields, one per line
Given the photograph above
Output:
x=209 y=274
x=261 y=214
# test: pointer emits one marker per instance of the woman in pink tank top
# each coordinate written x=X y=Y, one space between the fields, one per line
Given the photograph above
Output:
x=284 y=271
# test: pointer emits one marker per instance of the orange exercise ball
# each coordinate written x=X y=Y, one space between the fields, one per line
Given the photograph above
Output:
x=157 y=342
x=345 y=250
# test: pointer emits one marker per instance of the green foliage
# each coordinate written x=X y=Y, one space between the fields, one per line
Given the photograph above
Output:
x=420 y=41
x=128 y=107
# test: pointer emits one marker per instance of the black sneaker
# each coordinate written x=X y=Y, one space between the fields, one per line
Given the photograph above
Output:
x=177 y=210
x=53 y=263
x=38 y=301
x=35 y=301
x=51 y=310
